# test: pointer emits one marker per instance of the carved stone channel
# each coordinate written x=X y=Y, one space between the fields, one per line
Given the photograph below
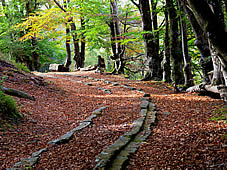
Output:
x=116 y=155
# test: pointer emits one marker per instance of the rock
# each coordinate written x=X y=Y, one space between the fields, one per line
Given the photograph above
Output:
x=143 y=112
x=53 y=67
x=118 y=162
x=89 y=119
x=58 y=67
x=107 y=91
x=115 y=84
x=145 y=98
x=144 y=104
x=63 y=139
x=99 y=111
x=139 y=122
x=152 y=106
x=120 y=142
x=27 y=162
x=88 y=84
x=84 y=125
x=132 y=88
x=38 y=153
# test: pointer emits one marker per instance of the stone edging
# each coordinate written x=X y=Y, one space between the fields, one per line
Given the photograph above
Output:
x=117 y=154
x=29 y=162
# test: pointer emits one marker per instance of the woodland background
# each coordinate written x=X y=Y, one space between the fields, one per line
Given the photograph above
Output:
x=165 y=40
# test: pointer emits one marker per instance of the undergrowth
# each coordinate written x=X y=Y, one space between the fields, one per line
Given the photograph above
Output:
x=220 y=115
x=8 y=108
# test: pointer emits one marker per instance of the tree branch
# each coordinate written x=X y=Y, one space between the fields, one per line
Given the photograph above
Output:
x=59 y=6
x=138 y=6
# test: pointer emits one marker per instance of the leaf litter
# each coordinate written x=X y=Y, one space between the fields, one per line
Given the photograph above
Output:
x=183 y=138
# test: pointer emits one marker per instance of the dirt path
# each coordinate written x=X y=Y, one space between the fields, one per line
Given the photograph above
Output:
x=183 y=138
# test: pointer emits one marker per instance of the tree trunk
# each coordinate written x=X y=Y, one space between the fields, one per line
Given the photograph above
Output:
x=35 y=56
x=113 y=35
x=83 y=43
x=166 y=60
x=34 y=62
x=68 y=48
x=154 y=63
x=212 y=26
x=118 y=52
x=219 y=76
x=76 y=46
x=157 y=69
x=202 y=43
x=187 y=58
x=79 y=56
x=175 y=49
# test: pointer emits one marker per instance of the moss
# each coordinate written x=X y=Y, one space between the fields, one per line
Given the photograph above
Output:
x=8 y=107
x=220 y=114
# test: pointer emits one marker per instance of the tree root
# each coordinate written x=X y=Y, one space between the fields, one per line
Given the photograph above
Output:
x=219 y=91
x=17 y=93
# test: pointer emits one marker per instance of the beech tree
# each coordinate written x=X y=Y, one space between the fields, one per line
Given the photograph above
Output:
x=79 y=56
x=19 y=10
x=117 y=48
x=210 y=20
x=175 y=43
x=202 y=44
x=187 y=58
x=150 y=39
x=166 y=60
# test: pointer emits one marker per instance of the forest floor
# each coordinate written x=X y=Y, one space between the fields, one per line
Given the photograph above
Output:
x=184 y=137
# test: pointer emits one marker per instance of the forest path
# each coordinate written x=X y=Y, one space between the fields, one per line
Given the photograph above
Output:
x=184 y=137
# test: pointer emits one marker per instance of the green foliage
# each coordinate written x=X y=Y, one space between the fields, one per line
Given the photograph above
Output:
x=220 y=115
x=17 y=51
x=2 y=81
x=21 y=67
